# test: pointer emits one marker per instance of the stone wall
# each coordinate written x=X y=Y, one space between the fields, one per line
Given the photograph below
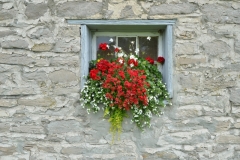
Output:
x=40 y=114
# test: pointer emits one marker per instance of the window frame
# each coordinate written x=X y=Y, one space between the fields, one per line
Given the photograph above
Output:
x=88 y=27
x=127 y=34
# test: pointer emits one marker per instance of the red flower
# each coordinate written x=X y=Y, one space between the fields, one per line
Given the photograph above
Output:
x=103 y=65
x=132 y=62
x=94 y=74
x=117 y=50
x=121 y=74
x=103 y=46
x=150 y=60
x=160 y=60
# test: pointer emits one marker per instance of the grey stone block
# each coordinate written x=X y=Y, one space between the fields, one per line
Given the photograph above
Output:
x=79 y=9
x=21 y=44
x=62 y=76
x=34 y=11
x=179 y=8
x=64 y=126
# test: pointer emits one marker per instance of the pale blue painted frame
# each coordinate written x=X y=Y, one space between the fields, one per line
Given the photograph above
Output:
x=86 y=40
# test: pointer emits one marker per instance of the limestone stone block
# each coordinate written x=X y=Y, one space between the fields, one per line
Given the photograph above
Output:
x=7 y=33
x=237 y=46
x=34 y=11
x=185 y=112
x=62 y=46
x=64 y=126
x=62 y=76
x=235 y=96
x=21 y=44
x=36 y=75
x=216 y=48
x=214 y=13
x=228 y=139
x=74 y=139
x=17 y=59
x=3 y=113
x=72 y=61
x=16 y=91
x=190 y=80
x=178 y=8
x=41 y=102
x=40 y=32
x=28 y=129
x=5 y=15
x=7 y=150
x=127 y=12
x=8 y=102
x=76 y=150
x=186 y=35
x=42 y=47
x=7 y=5
x=237 y=125
x=4 y=127
x=160 y=155
x=191 y=60
x=80 y=9
x=69 y=31
x=185 y=48
x=65 y=91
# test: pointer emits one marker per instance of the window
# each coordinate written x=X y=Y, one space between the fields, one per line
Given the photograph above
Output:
x=133 y=42
x=94 y=32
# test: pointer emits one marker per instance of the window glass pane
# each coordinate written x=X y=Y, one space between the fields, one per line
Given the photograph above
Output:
x=109 y=53
x=148 y=48
x=128 y=44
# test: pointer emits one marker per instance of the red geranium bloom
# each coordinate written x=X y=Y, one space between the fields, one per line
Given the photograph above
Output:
x=132 y=62
x=160 y=60
x=103 y=46
x=94 y=74
x=103 y=65
x=117 y=50
x=150 y=60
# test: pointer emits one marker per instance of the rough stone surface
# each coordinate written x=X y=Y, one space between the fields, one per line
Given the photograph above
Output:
x=179 y=8
x=214 y=13
x=5 y=15
x=127 y=12
x=17 y=59
x=78 y=9
x=28 y=129
x=237 y=46
x=22 y=44
x=40 y=102
x=62 y=76
x=216 y=48
x=40 y=113
x=235 y=96
x=42 y=47
x=7 y=33
x=34 y=11
x=8 y=103
x=64 y=126
x=4 y=127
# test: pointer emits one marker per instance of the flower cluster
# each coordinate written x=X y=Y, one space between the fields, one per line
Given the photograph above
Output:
x=126 y=83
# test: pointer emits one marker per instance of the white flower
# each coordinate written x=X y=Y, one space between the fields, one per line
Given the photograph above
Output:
x=111 y=40
x=120 y=54
x=121 y=61
x=149 y=38
x=133 y=57
x=132 y=42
